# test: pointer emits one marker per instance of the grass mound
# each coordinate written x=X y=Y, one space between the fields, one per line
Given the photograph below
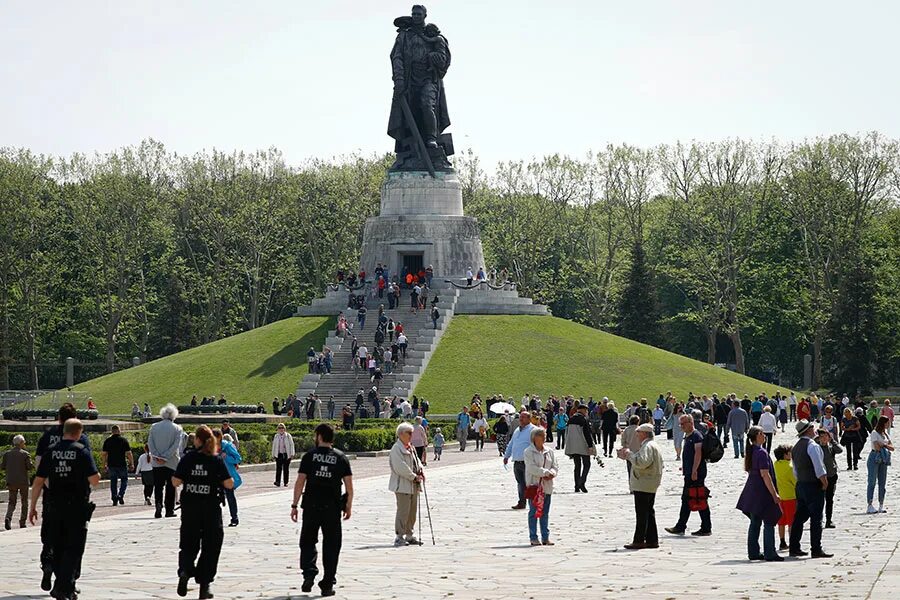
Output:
x=514 y=355
x=250 y=367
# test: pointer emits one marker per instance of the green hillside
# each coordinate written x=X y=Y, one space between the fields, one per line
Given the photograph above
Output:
x=248 y=368
x=547 y=355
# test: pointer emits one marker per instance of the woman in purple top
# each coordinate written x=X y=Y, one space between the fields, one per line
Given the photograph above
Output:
x=759 y=500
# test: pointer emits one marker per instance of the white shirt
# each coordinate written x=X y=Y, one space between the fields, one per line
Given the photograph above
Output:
x=877 y=437
x=767 y=422
x=469 y=274
x=793 y=400
x=362 y=351
x=388 y=356
x=401 y=339
x=144 y=463
x=417 y=290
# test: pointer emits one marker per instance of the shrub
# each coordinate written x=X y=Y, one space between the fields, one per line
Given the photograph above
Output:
x=23 y=414
x=216 y=409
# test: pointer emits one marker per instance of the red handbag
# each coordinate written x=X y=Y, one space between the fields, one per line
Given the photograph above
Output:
x=698 y=497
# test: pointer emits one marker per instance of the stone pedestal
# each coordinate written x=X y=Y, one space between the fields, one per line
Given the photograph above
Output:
x=422 y=217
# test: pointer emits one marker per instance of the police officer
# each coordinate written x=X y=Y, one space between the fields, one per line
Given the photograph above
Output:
x=203 y=475
x=68 y=469
x=321 y=473
x=52 y=436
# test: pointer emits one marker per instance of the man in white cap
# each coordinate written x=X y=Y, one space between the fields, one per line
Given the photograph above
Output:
x=812 y=481
x=645 y=477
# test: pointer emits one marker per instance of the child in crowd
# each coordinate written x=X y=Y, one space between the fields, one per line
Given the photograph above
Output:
x=787 y=484
x=438 y=443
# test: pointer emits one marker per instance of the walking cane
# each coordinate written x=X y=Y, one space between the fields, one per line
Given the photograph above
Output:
x=427 y=508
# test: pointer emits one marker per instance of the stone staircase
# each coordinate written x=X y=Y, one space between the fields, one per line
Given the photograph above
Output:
x=345 y=381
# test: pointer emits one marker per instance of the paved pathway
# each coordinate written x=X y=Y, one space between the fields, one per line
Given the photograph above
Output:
x=483 y=549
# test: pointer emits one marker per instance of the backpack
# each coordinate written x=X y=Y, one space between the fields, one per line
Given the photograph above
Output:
x=712 y=447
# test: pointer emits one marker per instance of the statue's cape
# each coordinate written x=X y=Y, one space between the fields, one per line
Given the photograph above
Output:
x=396 y=123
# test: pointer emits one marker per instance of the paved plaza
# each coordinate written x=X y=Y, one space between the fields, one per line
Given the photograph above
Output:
x=482 y=546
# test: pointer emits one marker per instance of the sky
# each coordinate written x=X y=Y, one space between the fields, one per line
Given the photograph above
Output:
x=528 y=78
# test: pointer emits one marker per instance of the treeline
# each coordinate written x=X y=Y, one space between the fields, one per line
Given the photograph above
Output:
x=736 y=252
x=733 y=252
x=142 y=252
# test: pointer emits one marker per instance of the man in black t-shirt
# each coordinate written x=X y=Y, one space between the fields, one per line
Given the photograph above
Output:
x=321 y=473
x=118 y=462
x=69 y=471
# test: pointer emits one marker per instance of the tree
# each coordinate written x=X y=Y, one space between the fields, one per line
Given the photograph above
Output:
x=638 y=313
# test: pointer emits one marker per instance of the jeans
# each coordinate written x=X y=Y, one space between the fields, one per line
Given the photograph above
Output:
x=545 y=520
x=232 y=505
x=519 y=472
x=685 y=513
x=560 y=439
x=118 y=482
x=810 y=502
x=657 y=426
x=582 y=467
x=645 y=519
x=753 y=538
x=877 y=471
x=462 y=436
x=737 y=438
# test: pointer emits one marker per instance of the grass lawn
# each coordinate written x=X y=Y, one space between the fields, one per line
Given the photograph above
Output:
x=250 y=367
x=514 y=355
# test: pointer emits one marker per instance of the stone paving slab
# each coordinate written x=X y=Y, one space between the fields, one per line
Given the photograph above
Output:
x=482 y=546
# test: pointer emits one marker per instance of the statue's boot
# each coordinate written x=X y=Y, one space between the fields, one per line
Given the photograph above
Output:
x=429 y=128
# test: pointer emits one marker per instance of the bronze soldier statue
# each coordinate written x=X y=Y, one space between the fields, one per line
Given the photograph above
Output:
x=419 y=60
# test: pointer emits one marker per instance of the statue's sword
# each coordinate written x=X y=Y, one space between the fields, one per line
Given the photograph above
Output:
x=420 y=144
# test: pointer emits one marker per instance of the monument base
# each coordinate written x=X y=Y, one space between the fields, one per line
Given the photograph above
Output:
x=421 y=223
x=452 y=245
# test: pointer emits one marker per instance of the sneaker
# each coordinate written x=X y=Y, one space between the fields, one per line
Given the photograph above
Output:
x=871 y=510
x=182 y=584
x=412 y=541
x=829 y=525
x=147 y=501
x=307 y=585
x=399 y=541
x=675 y=531
x=232 y=524
x=881 y=508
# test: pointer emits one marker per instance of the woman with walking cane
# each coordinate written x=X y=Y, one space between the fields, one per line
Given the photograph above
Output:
x=407 y=477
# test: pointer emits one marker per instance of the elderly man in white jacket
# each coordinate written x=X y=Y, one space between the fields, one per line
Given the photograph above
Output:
x=406 y=478
x=166 y=441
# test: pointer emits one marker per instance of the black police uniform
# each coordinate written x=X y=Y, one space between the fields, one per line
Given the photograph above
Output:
x=201 y=514
x=49 y=438
x=325 y=469
x=67 y=508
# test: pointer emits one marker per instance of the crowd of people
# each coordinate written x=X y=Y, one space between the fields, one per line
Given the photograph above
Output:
x=792 y=490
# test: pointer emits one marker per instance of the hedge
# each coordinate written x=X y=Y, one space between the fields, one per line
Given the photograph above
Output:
x=22 y=414
x=223 y=409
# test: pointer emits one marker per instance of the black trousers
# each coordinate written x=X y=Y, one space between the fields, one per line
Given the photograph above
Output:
x=63 y=535
x=685 y=513
x=645 y=519
x=609 y=442
x=582 y=467
x=162 y=480
x=854 y=449
x=560 y=439
x=829 y=497
x=329 y=521
x=282 y=468
x=201 y=532
x=810 y=501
